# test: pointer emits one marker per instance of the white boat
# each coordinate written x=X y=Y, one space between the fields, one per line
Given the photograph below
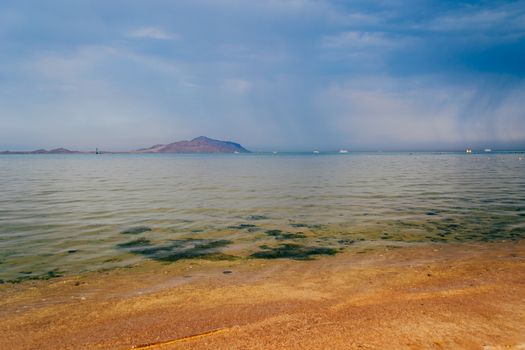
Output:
x=469 y=150
x=343 y=151
x=316 y=152
x=488 y=150
x=274 y=152
x=236 y=152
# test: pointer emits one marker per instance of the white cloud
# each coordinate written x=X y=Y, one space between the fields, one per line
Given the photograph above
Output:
x=361 y=40
x=482 y=19
x=153 y=33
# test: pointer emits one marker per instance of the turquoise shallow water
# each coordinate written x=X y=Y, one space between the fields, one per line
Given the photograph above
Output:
x=73 y=213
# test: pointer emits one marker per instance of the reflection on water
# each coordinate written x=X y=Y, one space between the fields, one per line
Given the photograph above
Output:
x=72 y=213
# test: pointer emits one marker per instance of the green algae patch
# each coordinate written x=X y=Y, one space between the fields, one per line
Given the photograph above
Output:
x=135 y=243
x=28 y=276
x=247 y=227
x=241 y=226
x=135 y=230
x=280 y=235
x=346 y=242
x=175 y=250
x=257 y=217
x=317 y=227
x=517 y=233
x=292 y=251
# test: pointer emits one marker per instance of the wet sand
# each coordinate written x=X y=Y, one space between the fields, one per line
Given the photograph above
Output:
x=433 y=296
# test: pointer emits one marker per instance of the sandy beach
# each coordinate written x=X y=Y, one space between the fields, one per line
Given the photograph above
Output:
x=434 y=296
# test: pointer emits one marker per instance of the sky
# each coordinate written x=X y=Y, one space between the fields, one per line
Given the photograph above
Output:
x=269 y=74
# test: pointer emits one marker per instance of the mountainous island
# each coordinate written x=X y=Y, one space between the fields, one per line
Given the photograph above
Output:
x=201 y=144
x=43 y=151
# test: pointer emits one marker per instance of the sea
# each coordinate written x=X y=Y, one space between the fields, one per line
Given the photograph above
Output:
x=75 y=213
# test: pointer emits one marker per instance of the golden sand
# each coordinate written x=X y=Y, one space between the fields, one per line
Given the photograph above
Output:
x=469 y=296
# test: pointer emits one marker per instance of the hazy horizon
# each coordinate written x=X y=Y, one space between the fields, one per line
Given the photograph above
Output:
x=268 y=149
x=291 y=75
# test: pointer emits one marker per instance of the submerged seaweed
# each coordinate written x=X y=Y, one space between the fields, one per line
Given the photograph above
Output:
x=28 y=276
x=280 y=235
x=257 y=217
x=135 y=230
x=135 y=243
x=241 y=226
x=346 y=241
x=316 y=226
x=292 y=251
x=179 y=249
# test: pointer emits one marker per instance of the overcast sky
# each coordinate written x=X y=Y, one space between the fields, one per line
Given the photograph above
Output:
x=270 y=74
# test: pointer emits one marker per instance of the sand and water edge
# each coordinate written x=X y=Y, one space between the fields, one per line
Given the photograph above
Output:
x=431 y=295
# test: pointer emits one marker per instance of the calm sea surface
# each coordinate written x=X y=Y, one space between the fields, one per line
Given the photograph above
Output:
x=73 y=213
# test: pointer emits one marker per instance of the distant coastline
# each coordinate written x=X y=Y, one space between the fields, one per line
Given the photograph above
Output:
x=206 y=145
x=201 y=144
x=64 y=151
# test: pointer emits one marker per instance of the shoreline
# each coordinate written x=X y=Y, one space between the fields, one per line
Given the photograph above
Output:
x=468 y=296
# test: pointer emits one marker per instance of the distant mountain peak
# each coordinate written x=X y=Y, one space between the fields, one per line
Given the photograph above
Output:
x=61 y=150
x=202 y=138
